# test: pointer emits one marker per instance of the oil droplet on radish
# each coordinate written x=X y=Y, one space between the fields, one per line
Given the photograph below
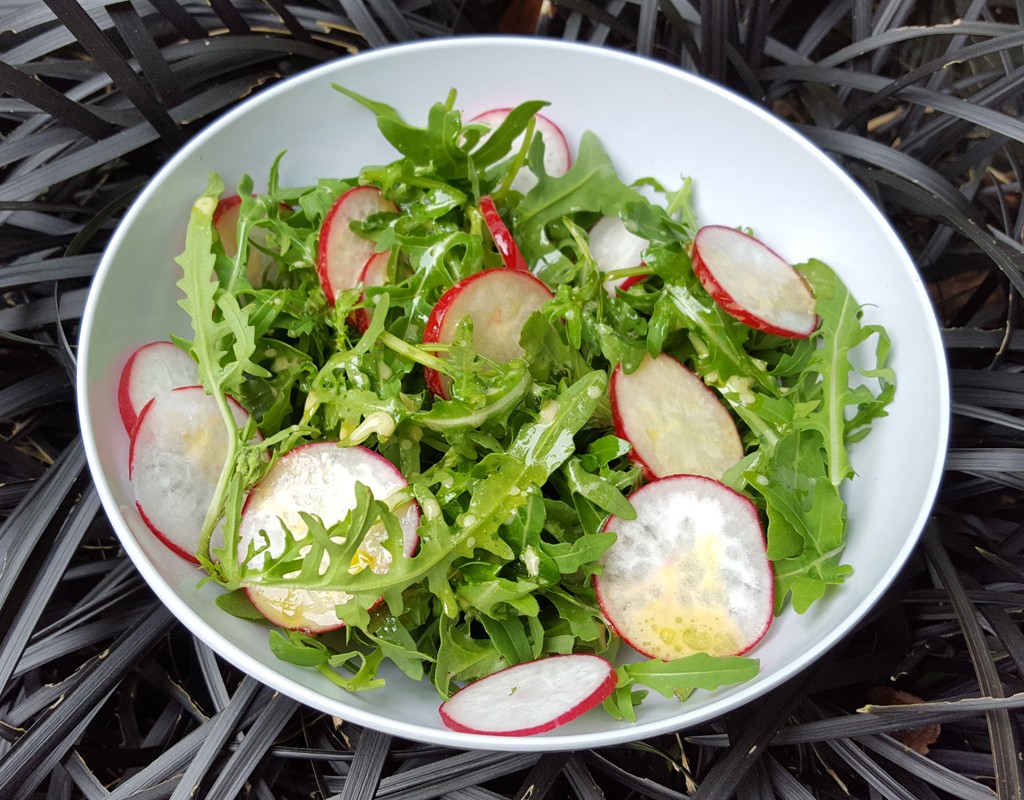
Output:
x=693 y=629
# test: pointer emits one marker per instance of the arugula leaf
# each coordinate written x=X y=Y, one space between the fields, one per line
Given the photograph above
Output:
x=398 y=646
x=462 y=657
x=799 y=471
x=677 y=678
x=546 y=444
x=517 y=471
x=237 y=604
x=839 y=334
x=591 y=184
x=223 y=343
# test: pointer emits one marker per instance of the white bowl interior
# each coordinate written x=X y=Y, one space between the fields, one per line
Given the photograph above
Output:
x=749 y=170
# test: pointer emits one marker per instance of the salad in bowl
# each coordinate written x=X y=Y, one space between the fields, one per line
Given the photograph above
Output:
x=491 y=414
x=459 y=416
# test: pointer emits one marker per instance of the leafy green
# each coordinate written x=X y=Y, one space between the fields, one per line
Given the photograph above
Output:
x=517 y=470
x=677 y=678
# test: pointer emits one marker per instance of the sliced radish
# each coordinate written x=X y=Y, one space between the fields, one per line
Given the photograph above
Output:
x=690 y=573
x=752 y=283
x=342 y=253
x=319 y=478
x=507 y=247
x=532 y=697
x=177 y=453
x=154 y=368
x=260 y=269
x=674 y=421
x=614 y=247
x=375 y=273
x=499 y=301
x=557 y=158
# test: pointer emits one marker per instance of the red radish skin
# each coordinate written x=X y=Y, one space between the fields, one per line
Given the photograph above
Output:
x=675 y=423
x=375 y=273
x=499 y=301
x=557 y=158
x=319 y=478
x=690 y=573
x=154 y=368
x=259 y=268
x=532 y=697
x=614 y=247
x=176 y=456
x=341 y=252
x=506 y=245
x=752 y=283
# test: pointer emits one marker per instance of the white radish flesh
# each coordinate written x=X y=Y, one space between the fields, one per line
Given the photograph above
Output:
x=177 y=453
x=532 y=697
x=155 y=368
x=503 y=241
x=341 y=252
x=690 y=573
x=614 y=247
x=319 y=479
x=675 y=423
x=557 y=158
x=752 y=283
x=499 y=301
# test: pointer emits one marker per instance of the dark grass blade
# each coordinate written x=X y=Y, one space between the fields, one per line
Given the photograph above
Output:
x=749 y=736
x=274 y=714
x=38 y=749
x=617 y=779
x=542 y=777
x=879 y=780
x=40 y=389
x=125 y=78
x=364 y=774
x=21 y=533
x=941 y=778
x=581 y=780
x=45 y=583
x=48 y=269
x=783 y=782
x=922 y=111
x=42 y=313
x=153 y=66
x=1004 y=734
x=874 y=719
x=181 y=759
x=453 y=773
x=53 y=102
x=472 y=793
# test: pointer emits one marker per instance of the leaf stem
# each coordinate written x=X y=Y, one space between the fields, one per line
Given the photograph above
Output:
x=413 y=353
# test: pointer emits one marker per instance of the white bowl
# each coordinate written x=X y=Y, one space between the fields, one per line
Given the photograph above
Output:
x=750 y=169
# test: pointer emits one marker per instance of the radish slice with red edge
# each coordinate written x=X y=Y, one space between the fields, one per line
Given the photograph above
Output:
x=690 y=573
x=557 y=158
x=341 y=252
x=531 y=697
x=506 y=245
x=155 y=368
x=499 y=301
x=375 y=273
x=260 y=269
x=674 y=421
x=319 y=478
x=177 y=452
x=614 y=247
x=752 y=283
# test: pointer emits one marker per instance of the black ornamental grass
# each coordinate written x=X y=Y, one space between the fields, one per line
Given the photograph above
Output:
x=103 y=695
